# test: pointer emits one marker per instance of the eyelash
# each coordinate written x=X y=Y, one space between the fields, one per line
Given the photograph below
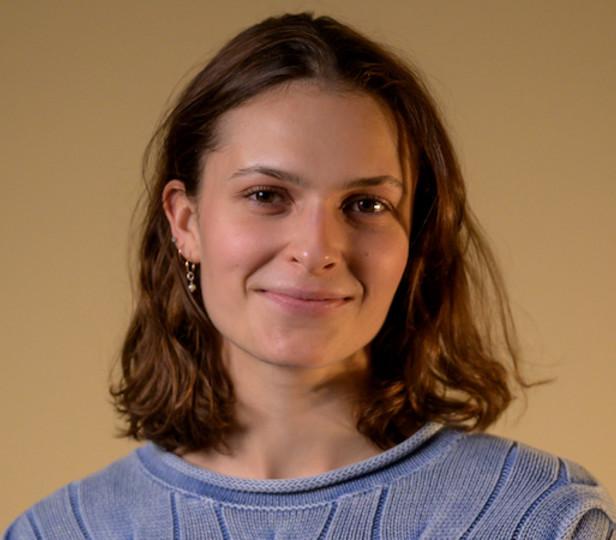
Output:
x=387 y=207
x=264 y=189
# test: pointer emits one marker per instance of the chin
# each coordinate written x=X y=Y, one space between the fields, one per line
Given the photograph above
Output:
x=295 y=360
x=307 y=355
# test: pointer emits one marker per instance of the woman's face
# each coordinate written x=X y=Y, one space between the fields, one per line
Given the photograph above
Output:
x=302 y=225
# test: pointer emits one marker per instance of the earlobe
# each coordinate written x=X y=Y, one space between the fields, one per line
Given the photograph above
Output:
x=181 y=214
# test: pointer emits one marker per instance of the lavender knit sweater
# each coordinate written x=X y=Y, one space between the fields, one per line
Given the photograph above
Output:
x=438 y=484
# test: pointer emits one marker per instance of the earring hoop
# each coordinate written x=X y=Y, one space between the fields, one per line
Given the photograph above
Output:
x=189 y=267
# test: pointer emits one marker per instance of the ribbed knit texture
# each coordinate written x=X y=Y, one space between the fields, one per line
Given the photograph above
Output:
x=438 y=484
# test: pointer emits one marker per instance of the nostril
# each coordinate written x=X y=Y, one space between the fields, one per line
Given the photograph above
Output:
x=314 y=258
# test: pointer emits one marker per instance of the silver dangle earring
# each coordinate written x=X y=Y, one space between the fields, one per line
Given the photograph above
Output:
x=190 y=275
x=190 y=268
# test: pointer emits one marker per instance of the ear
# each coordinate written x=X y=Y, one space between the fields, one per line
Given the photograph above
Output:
x=181 y=212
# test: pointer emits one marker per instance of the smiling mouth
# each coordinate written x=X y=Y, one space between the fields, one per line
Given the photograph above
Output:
x=306 y=302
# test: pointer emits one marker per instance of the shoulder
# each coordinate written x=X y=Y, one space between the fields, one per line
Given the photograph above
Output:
x=109 y=499
x=530 y=491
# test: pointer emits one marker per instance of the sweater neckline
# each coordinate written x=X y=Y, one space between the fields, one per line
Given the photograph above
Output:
x=179 y=474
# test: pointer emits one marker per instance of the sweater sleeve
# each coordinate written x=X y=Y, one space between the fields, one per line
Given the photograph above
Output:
x=20 y=529
x=574 y=508
x=51 y=518
x=594 y=524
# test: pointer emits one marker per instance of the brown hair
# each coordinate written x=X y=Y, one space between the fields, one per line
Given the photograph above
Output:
x=446 y=351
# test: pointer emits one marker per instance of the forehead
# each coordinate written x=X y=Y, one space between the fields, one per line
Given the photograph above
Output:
x=312 y=94
x=306 y=124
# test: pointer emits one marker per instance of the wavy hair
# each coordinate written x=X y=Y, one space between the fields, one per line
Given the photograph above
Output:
x=447 y=351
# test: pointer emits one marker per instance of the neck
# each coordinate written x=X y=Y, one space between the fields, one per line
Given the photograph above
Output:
x=297 y=421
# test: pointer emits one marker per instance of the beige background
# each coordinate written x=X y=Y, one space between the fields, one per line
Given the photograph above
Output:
x=529 y=92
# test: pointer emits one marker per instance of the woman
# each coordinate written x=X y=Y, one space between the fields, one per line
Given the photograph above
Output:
x=313 y=353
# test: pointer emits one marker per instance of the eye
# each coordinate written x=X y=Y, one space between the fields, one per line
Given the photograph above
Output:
x=267 y=200
x=368 y=205
x=265 y=196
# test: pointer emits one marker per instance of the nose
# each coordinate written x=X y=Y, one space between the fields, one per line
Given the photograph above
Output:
x=317 y=241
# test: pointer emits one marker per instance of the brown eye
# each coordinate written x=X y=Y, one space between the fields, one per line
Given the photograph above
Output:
x=368 y=205
x=265 y=196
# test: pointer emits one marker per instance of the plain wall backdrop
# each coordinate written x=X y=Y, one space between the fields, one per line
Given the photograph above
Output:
x=528 y=90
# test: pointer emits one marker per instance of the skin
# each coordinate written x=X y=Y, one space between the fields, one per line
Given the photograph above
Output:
x=301 y=229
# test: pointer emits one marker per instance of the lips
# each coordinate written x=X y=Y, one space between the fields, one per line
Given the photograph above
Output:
x=311 y=295
x=308 y=301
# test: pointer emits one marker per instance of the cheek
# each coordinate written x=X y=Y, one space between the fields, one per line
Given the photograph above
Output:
x=231 y=251
x=385 y=263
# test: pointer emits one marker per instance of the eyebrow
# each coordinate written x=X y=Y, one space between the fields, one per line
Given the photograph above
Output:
x=293 y=178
